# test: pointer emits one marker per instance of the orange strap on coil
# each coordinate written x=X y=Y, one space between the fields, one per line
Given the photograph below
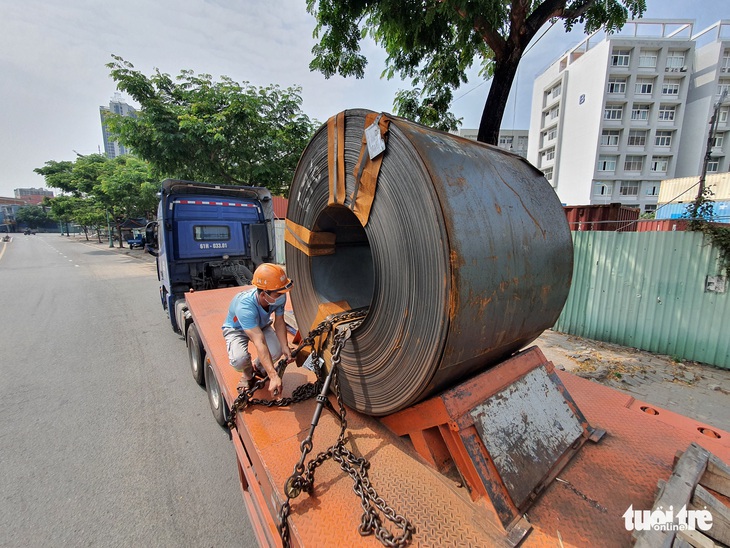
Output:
x=366 y=171
x=336 y=158
x=313 y=244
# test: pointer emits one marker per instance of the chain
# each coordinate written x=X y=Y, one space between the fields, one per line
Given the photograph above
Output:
x=356 y=467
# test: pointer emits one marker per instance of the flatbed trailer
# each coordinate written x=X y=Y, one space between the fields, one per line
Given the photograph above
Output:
x=583 y=506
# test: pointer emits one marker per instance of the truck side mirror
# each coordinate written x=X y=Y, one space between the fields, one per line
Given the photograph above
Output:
x=151 y=244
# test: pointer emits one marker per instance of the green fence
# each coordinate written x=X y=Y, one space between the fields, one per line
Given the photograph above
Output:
x=657 y=291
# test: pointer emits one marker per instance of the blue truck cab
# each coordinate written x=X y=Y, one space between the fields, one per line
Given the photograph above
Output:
x=207 y=236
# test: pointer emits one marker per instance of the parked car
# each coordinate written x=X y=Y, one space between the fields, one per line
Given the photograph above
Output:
x=137 y=241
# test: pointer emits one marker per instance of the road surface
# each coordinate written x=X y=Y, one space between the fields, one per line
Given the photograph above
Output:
x=105 y=439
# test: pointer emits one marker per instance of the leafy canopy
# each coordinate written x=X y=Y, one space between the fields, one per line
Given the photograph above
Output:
x=435 y=42
x=192 y=127
x=124 y=188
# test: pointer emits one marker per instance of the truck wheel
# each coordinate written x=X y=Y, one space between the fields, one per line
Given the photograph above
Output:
x=196 y=354
x=215 y=398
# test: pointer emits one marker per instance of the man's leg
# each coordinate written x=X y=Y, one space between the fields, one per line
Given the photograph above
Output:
x=238 y=356
x=272 y=342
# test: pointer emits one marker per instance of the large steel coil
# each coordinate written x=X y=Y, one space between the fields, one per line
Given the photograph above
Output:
x=464 y=257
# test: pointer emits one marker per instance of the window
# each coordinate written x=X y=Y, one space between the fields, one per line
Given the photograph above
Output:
x=551 y=134
x=637 y=138
x=647 y=59
x=722 y=115
x=554 y=112
x=601 y=188
x=723 y=86
x=616 y=85
x=203 y=233
x=634 y=163
x=643 y=86
x=613 y=112
x=609 y=137
x=659 y=164
x=663 y=138
x=718 y=140
x=548 y=173
x=713 y=166
x=606 y=163
x=670 y=87
x=629 y=188
x=620 y=58
x=505 y=142
x=675 y=60
x=725 y=65
x=640 y=112
x=550 y=153
x=666 y=113
x=555 y=91
x=652 y=190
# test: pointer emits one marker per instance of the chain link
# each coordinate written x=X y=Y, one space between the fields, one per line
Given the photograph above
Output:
x=302 y=479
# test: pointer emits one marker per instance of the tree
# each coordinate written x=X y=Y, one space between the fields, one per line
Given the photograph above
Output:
x=434 y=42
x=219 y=132
x=123 y=188
x=33 y=216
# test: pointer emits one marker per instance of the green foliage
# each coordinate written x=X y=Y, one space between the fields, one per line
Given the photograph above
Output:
x=701 y=215
x=192 y=127
x=33 y=216
x=96 y=186
x=435 y=42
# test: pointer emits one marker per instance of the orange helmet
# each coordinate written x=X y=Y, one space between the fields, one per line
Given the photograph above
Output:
x=271 y=277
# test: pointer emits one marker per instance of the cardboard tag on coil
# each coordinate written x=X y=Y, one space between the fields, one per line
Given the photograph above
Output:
x=375 y=141
x=309 y=363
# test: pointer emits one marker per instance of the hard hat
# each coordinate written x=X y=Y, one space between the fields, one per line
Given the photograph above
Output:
x=271 y=277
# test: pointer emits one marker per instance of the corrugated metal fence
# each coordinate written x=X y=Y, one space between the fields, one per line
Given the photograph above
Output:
x=647 y=290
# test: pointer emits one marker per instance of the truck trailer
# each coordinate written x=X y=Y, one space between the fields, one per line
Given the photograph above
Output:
x=424 y=265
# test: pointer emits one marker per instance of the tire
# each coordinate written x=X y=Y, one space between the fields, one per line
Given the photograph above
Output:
x=196 y=354
x=217 y=403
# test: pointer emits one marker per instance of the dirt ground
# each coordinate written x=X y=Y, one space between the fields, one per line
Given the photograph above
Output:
x=695 y=390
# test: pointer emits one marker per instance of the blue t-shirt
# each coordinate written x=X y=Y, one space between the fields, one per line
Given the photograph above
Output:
x=245 y=312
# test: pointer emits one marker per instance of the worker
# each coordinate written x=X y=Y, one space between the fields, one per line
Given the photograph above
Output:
x=249 y=319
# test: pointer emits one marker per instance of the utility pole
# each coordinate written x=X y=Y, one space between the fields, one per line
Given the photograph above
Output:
x=708 y=153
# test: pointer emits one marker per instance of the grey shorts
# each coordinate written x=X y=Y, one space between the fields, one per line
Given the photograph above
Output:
x=237 y=346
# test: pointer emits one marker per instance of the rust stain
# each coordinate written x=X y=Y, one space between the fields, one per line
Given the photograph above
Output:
x=498 y=208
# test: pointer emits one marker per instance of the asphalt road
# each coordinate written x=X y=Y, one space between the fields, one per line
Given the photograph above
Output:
x=105 y=439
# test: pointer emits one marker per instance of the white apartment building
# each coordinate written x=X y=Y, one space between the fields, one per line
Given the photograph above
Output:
x=514 y=140
x=607 y=121
x=710 y=78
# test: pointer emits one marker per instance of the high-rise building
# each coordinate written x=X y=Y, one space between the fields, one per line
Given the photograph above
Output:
x=112 y=148
x=610 y=118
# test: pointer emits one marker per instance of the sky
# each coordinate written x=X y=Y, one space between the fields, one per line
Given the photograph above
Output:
x=53 y=74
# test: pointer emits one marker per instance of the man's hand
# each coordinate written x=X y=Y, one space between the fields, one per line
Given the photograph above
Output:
x=275 y=386
x=286 y=353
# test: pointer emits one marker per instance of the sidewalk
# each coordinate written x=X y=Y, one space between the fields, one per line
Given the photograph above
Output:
x=695 y=390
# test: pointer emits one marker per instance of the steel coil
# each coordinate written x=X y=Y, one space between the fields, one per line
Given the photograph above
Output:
x=465 y=258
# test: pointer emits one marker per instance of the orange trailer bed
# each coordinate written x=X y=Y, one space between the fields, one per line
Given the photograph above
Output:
x=583 y=507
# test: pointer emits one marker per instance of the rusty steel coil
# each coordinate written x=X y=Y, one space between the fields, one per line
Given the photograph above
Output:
x=463 y=258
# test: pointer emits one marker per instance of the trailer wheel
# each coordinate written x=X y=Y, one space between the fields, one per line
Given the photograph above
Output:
x=196 y=354
x=215 y=398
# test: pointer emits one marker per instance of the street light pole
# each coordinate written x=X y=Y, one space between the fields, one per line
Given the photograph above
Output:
x=708 y=153
x=109 y=229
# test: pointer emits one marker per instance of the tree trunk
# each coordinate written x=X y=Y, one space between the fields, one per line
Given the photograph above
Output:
x=504 y=75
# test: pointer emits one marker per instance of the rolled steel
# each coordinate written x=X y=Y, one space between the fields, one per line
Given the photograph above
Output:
x=466 y=258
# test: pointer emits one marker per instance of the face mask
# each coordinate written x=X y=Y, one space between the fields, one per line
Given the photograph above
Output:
x=267 y=297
